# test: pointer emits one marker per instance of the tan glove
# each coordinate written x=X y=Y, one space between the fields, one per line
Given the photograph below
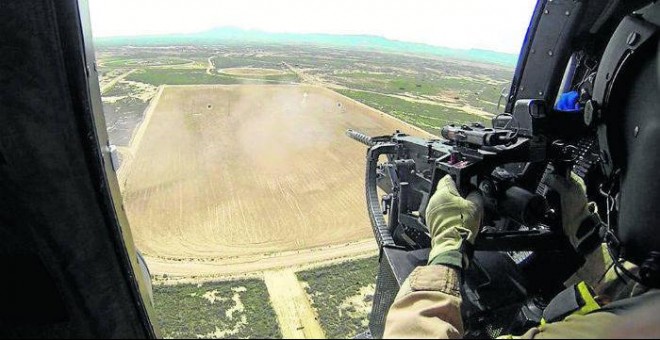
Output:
x=452 y=220
x=574 y=206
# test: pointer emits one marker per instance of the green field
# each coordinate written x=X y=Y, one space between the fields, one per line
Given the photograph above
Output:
x=430 y=117
x=156 y=76
x=342 y=295
x=220 y=62
x=421 y=84
x=234 y=309
x=179 y=77
x=120 y=62
x=481 y=93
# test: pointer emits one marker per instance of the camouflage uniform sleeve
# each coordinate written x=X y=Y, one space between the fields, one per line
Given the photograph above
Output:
x=427 y=306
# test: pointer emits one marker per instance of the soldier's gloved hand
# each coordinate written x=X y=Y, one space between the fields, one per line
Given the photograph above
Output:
x=575 y=209
x=452 y=220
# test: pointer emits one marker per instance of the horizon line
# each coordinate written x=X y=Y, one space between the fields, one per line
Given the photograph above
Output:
x=148 y=35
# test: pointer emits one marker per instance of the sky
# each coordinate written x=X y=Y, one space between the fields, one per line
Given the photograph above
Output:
x=497 y=25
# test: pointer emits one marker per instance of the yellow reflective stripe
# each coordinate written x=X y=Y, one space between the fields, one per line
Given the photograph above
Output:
x=590 y=303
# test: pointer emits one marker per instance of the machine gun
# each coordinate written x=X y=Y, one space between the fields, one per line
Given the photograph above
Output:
x=494 y=161
x=522 y=231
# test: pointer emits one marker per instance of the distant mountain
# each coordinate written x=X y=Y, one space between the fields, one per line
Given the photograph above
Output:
x=230 y=35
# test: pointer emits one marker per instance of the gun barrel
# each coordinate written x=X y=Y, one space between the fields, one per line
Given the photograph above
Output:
x=360 y=137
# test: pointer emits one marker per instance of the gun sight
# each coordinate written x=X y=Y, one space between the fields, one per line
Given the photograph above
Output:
x=478 y=135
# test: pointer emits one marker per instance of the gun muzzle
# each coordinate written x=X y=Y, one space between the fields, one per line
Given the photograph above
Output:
x=360 y=137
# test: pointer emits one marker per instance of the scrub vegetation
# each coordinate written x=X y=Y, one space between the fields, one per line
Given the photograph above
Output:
x=342 y=295
x=233 y=309
x=179 y=77
x=426 y=115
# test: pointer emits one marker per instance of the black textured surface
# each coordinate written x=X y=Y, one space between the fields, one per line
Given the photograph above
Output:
x=59 y=234
x=386 y=289
x=640 y=190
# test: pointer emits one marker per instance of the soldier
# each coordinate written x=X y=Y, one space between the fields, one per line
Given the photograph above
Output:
x=606 y=304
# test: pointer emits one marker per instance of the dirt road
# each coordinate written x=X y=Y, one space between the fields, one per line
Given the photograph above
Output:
x=128 y=153
x=294 y=311
x=209 y=70
x=113 y=82
x=306 y=78
x=245 y=265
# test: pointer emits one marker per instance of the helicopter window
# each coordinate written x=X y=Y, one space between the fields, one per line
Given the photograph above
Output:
x=227 y=124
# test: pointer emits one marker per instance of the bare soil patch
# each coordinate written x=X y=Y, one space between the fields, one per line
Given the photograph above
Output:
x=221 y=172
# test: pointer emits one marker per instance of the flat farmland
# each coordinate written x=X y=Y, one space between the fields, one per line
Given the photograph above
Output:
x=223 y=171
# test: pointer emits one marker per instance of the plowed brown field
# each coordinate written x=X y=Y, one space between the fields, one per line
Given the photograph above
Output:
x=227 y=171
